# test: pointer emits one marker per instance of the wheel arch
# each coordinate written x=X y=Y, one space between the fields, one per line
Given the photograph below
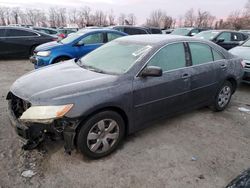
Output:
x=233 y=81
x=60 y=56
x=116 y=109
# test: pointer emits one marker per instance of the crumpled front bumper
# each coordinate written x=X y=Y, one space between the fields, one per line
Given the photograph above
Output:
x=35 y=133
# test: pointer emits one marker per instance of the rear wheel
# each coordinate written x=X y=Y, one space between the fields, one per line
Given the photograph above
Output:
x=223 y=97
x=32 y=50
x=101 y=134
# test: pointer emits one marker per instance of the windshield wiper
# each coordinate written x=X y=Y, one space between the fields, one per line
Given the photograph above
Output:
x=91 y=68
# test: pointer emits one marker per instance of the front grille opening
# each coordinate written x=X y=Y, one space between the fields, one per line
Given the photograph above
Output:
x=19 y=106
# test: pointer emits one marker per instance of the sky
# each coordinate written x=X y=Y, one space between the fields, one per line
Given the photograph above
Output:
x=141 y=8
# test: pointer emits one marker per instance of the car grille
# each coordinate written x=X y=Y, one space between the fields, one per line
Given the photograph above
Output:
x=247 y=65
x=19 y=106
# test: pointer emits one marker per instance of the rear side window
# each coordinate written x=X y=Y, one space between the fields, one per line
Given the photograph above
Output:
x=170 y=57
x=113 y=36
x=2 y=32
x=237 y=37
x=217 y=55
x=92 y=39
x=134 y=31
x=119 y=28
x=156 y=31
x=19 y=33
x=200 y=53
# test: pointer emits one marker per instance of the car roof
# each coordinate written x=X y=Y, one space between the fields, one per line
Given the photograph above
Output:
x=130 y=26
x=152 y=39
x=25 y=29
x=223 y=30
x=44 y=28
x=100 y=29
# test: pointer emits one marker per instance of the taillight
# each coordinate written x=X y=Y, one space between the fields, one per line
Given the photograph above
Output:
x=61 y=35
x=243 y=63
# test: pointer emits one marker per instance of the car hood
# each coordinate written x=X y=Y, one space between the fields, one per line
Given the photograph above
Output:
x=48 y=46
x=241 y=51
x=55 y=83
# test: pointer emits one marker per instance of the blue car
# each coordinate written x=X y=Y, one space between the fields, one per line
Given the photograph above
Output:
x=75 y=45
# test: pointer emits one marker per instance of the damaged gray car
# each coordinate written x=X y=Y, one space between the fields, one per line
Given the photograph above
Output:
x=93 y=102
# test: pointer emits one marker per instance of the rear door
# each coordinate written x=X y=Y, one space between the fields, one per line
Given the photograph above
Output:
x=158 y=96
x=204 y=79
x=89 y=43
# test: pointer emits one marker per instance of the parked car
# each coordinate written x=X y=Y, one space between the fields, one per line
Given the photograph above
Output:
x=20 y=42
x=245 y=31
x=120 y=88
x=154 y=30
x=131 y=30
x=167 y=31
x=225 y=38
x=64 y=32
x=74 y=46
x=243 y=51
x=187 y=31
x=46 y=30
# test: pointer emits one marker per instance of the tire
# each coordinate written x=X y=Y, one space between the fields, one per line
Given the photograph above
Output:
x=32 y=50
x=57 y=60
x=101 y=134
x=223 y=97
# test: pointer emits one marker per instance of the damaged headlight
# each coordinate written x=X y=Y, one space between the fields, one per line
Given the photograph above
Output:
x=43 y=53
x=45 y=114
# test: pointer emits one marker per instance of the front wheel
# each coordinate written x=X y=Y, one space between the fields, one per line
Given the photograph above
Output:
x=101 y=134
x=223 y=97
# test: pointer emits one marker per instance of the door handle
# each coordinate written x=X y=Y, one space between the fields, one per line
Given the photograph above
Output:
x=185 y=76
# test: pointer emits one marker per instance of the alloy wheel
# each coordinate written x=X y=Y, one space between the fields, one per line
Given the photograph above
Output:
x=103 y=135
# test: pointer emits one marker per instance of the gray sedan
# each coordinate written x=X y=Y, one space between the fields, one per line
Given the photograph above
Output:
x=93 y=102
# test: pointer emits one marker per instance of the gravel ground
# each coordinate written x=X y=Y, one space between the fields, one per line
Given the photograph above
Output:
x=196 y=149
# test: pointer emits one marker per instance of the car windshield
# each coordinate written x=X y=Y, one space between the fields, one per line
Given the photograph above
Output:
x=115 y=57
x=207 y=35
x=181 y=31
x=71 y=38
x=246 y=44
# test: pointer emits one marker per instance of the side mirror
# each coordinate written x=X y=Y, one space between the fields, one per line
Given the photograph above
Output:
x=79 y=43
x=193 y=34
x=151 y=71
x=220 y=40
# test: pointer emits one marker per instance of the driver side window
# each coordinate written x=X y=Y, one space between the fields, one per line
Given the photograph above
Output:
x=170 y=57
x=96 y=38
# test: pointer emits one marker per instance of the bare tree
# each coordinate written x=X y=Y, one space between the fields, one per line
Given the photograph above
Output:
x=99 y=18
x=204 y=19
x=15 y=12
x=189 y=18
x=52 y=17
x=111 y=18
x=159 y=18
x=3 y=11
x=72 y=16
x=131 y=19
x=155 y=18
x=121 y=19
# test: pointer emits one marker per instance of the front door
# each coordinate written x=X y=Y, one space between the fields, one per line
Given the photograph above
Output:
x=154 y=97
